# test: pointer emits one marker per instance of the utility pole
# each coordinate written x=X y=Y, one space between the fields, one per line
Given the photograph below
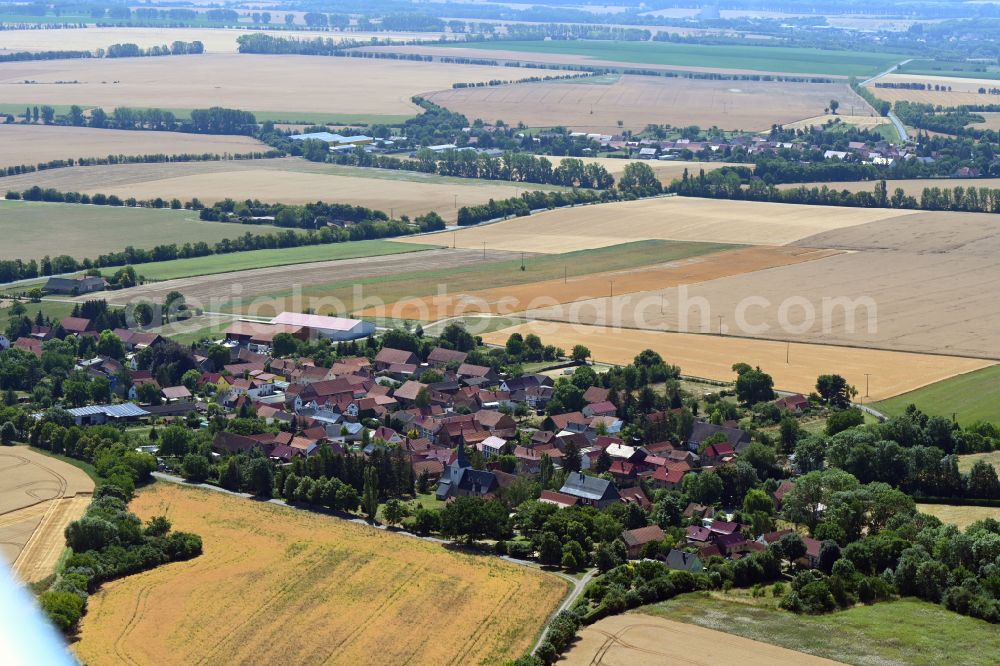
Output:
x=867 y=376
x=788 y=349
x=720 y=324
x=484 y=249
x=522 y=261
x=612 y=283
x=662 y=299
x=454 y=240
x=456 y=202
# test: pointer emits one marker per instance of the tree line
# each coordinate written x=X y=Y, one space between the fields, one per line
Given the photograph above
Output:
x=156 y=158
x=214 y=120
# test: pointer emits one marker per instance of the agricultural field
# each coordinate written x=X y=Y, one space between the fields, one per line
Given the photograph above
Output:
x=963 y=516
x=965 y=462
x=907 y=631
x=992 y=121
x=34 y=144
x=647 y=640
x=671 y=272
x=668 y=218
x=242 y=261
x=963 y=90
x=39 y=497
x=216 y=40
x=920 y=282
x=32 y=229
x=637 y=101
x=857 y=119
x=378 y=88
x=914 y=187
x=967 y=398
x=794 y=366
x=287 y=180
x=359 y=585
x=714 y=57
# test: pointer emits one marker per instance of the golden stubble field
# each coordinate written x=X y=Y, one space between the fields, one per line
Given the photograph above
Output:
x=963 y=516
x=712 y=357
x=287 y=180
x=914 y=187
x=39 y=497
x=277 y=585
x=32 y=144
x=635 y=639
x=299 y=84
x=640 y=100
x=667 y=218
x=963 y=90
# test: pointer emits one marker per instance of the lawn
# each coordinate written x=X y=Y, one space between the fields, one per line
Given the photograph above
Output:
x=971 y=397
x=49 y=309
x=32 y=230
x=488 y=275
x=241 y=261
x=756 y=58
x=963 y=516
x=289 y=586
x=966 y=462
x=901 y=632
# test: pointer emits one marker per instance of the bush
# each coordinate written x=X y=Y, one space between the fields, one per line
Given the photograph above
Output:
x=64 y=609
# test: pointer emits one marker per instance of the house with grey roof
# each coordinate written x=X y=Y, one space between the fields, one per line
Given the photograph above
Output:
x=590 y=490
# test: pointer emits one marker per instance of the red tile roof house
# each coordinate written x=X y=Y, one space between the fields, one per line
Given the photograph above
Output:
x=717 y=454
x=636 y=539
x=595 y=394
x=600 y=409
x=77 y=325
x=561 y=500
x=795 y=403
x=663 y=477
x=496 y=422
x=440 y=357
x=176 y=393
x=635 y=496
x=408 y=391
x=698 y=535
x=388 y=356
x=468 y=370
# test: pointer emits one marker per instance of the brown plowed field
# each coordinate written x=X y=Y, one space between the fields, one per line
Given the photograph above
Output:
x=667 y=218
x=300 y=84
x=641 y=100
x=32 y=144
x=282 y=586
x=634 y=639
x=510 y=300
x=712 y=357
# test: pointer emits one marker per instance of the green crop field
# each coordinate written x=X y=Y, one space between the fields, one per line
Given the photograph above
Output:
x=492 y=274
x=969 y=70
x=756 y=58
x=970 y=397
x=241 y=261
x=31 y=229
x=907 y=631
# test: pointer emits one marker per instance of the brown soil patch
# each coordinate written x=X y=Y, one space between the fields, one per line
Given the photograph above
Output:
x=712 y=357
x=644 y=640
x=963 y=91
x=510 y=300
x=288 y=586
x=640 y=100
x=251 y=82
x=667 y=218
x=32 y=144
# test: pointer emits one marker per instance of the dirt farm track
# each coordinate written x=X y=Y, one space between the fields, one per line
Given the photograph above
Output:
x=39 y=496
x=634 y=639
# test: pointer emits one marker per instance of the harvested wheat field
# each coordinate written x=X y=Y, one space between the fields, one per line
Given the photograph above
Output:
x=712 y=357
x=32 y=144
x=288 y=287
x=301 y=84
x=635 y=639
x=963 y=516
x=286 y=180
x=914 y=186
x=665 y=170
x=216 y=40
x=279 y=585
x=992 y=121
x=921 y=283
x=528 y=297
x=667 y=218
x=640 y=100
x=39 y=496
x=963 y=91
x=861 y=121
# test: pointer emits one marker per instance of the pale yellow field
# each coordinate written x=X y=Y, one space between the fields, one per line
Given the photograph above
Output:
x=860 y=121
x=963 y=91
x=640 y=100
x=32 y=144
x=286 y=180
x=963 y=516
x=666 y=170
x=913 y=187
x=635 y=639
x=250 y=82
x=992 y=121
x=216 y=40
x=667 y=218
x=965 y=462
x=278 y=585
x=712 y=357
